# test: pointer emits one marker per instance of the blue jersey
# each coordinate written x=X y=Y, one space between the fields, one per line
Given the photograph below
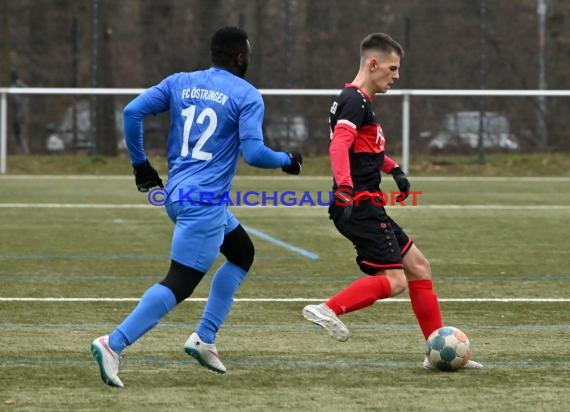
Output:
x=212 y=114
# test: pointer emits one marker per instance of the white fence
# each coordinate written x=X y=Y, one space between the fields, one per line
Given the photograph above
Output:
x=405 y=93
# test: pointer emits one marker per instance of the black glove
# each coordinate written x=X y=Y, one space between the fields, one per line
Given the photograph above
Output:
x=295 y=167
x=403 y=183
x=344 y=197
x=146 y=177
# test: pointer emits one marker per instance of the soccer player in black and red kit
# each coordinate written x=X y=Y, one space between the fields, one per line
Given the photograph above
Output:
x=384 y=251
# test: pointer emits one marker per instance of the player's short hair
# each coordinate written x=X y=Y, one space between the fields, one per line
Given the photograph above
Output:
x=381 y=42
x=226 y=44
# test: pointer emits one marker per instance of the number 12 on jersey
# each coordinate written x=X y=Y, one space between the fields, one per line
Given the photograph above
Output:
x=189 y=113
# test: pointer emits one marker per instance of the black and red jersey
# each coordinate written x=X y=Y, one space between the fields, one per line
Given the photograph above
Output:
x=357 y=142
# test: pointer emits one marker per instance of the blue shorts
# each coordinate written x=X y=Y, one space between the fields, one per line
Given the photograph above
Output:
x=198 y=233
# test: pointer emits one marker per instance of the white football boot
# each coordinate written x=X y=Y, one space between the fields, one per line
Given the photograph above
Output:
x=108 y=361
x=205 y=353
x=469 y=365
x=323 y=316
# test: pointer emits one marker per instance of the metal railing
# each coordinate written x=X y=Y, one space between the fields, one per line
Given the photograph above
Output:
x=405 y=93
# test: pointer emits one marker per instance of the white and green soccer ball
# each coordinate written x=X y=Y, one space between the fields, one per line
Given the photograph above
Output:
x=447 y=349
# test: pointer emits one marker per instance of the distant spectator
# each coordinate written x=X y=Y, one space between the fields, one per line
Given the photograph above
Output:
x=20 y=110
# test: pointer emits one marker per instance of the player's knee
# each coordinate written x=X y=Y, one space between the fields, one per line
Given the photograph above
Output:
x=238 y=248
x=416 y=265
x=182 y=280
x=420 y=269
x=426 y=268
x=398 y=281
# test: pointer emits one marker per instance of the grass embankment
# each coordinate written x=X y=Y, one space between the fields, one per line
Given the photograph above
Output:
x=538 y=164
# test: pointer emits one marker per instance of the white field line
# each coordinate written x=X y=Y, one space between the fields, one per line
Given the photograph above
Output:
x=391 y=300
x=279 y=177
x=270 y=206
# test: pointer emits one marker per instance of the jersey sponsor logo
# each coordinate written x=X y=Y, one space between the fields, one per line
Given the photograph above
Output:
x=380 y=140
x=370 y=139
x=205 y=94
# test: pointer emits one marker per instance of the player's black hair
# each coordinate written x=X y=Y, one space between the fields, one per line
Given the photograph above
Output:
x=226 y=44
x=381 y=42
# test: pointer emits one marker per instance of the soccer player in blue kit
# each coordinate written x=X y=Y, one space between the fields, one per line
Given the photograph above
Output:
x=214 y=115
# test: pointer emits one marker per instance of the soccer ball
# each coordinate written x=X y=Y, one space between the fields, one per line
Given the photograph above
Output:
x=448 y=349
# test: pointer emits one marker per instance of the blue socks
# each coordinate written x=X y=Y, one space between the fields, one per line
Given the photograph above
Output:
x=156 y=302
x=225 y=283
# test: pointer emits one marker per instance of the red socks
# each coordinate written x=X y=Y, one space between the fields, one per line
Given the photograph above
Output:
x=364 y=292
x=360 y=294
x=425 y=305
